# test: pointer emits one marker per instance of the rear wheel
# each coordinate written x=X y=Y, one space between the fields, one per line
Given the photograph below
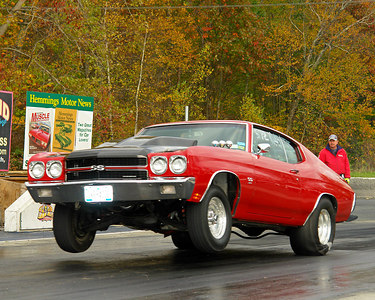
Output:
x=210 y=221
x=69 y=230
x=182 y=240
x=317 y=235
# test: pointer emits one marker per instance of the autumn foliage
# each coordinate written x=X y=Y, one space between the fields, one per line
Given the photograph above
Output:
x=304 y=67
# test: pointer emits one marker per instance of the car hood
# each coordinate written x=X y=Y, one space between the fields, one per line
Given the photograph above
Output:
x=40 y=134
x=134 y=146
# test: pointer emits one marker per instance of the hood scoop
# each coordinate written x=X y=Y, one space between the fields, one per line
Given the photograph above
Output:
x=149 y=141
x=134 y=146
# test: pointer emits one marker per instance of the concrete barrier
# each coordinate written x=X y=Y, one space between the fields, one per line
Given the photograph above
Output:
x=363 y=187
x=23 y=215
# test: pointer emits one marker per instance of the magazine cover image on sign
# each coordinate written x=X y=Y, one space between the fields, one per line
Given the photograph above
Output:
x=40 y=131
x=64 y=131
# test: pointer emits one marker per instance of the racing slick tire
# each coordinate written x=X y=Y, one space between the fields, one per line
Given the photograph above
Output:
x=68 y=229
x=317 y=235
x=182 y=240
x=209 y=222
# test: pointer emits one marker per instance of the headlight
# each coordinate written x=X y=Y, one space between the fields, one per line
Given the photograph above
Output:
x=36 y=169
x=54 y=168
x=159 y=165
x=178 y=164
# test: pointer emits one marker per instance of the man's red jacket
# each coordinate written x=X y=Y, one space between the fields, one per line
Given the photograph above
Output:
x=338 y=163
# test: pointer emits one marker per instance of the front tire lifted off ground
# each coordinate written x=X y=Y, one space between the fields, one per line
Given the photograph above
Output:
x=68 y=228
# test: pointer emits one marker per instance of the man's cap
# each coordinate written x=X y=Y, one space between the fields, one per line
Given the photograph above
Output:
x=332 y=137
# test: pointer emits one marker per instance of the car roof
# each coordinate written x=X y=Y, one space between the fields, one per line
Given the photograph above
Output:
x=201 y=122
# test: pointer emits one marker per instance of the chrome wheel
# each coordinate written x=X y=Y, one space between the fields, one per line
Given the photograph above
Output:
x=209 y=222
x=316 y=236
x=324 y=227
x=217 y=218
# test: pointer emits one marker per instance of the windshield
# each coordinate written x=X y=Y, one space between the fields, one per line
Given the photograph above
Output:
x=44 y=128
x=205 y=134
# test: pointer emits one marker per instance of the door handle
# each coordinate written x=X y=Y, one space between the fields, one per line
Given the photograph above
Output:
x=294 y=171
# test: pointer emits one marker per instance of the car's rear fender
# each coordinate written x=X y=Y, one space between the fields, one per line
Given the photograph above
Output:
x=229 y=183
x=330 y=197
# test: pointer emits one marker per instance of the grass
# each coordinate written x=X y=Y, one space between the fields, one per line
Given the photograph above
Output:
x=362 y=174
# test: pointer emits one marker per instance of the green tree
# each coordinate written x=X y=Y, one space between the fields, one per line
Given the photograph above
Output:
x=250 y=111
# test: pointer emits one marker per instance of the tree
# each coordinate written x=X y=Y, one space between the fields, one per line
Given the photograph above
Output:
x=306 y=69
x=5 y=25
x=323 y=76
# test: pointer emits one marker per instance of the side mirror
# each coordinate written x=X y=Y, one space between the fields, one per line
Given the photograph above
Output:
x=263 y=148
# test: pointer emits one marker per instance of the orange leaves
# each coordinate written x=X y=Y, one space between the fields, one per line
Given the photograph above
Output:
x=206 y=28
x=306 y=68
x=321 y=74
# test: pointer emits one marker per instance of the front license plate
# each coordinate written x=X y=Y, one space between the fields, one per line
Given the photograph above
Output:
x=99 y=193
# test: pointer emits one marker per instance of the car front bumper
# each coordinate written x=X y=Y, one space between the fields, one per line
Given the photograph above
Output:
x=123 y=190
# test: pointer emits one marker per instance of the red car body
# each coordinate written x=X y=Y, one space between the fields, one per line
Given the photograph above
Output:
x=260 y=180
x=40 y=136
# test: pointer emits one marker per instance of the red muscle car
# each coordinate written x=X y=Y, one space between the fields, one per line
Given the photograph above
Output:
x=196 y=182
x=40 y=136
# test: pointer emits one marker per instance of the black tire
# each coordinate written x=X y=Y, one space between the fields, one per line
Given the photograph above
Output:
x=209 y=222
x=317 y=235
x=182 y=240
x=67 y=228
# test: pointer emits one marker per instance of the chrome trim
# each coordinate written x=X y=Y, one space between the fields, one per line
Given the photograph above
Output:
x=97 y=168
x=173 y=158
x=155 y=158
x=212 y=178
x=49 y=164
x=116 y=166
x=316 y=204
x=31 y=166
x=99 y=182
x=109 y=169
x=354 y=202
x=105 y=170
x=123 y=190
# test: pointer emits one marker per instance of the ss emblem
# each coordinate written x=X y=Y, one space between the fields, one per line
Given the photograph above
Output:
x=97 y=168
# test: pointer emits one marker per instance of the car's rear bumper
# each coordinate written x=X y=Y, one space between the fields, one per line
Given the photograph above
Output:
x=123 y=190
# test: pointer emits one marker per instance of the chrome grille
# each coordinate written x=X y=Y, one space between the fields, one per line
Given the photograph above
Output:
x=106 y=174
x=105 y=168
x=107 y=161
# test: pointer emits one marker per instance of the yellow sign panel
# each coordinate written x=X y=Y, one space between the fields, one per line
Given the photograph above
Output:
x=64 y=130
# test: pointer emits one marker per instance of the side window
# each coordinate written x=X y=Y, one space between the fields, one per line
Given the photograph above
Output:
x=291 y=152
x=276 y=147
x=258 y=137
x=280 y=148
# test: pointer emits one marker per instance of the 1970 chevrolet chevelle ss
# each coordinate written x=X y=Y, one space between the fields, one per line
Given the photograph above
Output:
x=194 y=181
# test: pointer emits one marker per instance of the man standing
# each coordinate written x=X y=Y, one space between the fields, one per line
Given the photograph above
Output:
x=334 y=156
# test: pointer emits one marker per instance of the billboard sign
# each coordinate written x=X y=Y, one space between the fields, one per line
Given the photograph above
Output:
x=57 y=122
x=6 y=112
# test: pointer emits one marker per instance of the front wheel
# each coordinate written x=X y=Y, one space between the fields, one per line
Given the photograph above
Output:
x=68 y=228
x=209 y=222
x=317 y=235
